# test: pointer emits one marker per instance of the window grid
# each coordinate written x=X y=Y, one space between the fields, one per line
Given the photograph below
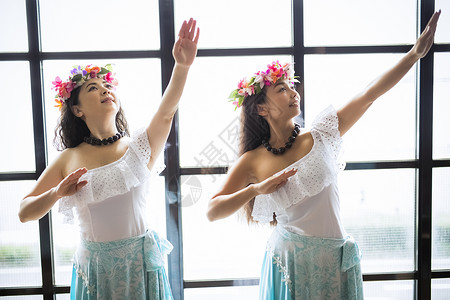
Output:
x=423 y=164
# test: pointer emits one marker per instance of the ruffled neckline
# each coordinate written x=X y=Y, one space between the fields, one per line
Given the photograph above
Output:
x=317 y=170
x=305 y=157
x=111 y=164
x=112 y=179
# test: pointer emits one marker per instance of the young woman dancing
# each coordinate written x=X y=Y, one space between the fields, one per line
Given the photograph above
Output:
x=288 y=176
x=103 y=175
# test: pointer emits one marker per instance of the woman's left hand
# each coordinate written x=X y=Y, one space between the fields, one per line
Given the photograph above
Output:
x=426 y=39
x=185 y=49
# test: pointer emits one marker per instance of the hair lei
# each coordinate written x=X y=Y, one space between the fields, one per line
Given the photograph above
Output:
x=79 y=76
x=254 y=85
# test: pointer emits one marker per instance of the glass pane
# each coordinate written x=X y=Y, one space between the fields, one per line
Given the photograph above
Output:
x=65 y=240
x=127 y=25
x=216 y=143
x=332 y=23
x=227 y=248
x=20 y=263
x=378 y=211
x=335 y=79
x=62 y=296
x=441 y=106
x=440 y=289
x=238 y=24
x=222 y=293
x=441 y=219
x=442 y=33
x=14 y=38
x=389 y=290
x=15 y=98
x=140 y=95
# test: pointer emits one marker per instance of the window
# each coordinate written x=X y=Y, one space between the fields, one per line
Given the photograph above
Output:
x=394 y=191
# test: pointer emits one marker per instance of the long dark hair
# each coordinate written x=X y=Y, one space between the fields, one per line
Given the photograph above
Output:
x=253 y=129
x=71 y=130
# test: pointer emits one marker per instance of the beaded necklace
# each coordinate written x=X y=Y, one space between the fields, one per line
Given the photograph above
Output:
x=286 y=146
x=98 y=142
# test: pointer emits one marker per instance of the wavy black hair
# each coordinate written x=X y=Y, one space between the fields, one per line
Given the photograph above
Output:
x=253 y=129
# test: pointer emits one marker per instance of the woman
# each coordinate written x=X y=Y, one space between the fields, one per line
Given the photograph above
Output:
x=103 y=176
x=288 y=176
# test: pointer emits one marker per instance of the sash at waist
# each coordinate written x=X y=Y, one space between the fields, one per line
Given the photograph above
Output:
x=345 y=247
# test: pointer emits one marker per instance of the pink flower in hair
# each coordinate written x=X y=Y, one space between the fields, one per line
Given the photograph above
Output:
x=255 y=85
x=65 y=89
x=108 y=77
x=57 y=83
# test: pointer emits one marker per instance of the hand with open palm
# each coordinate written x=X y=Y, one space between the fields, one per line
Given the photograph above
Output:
x=426 y=39
x=185 y=49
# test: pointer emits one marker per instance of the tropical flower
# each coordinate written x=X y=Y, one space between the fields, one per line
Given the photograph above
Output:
x=59 y=103
x=255 y=84
x=79 y=76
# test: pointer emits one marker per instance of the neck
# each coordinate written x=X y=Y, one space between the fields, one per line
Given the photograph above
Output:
x=280 y=132
x=101 y=129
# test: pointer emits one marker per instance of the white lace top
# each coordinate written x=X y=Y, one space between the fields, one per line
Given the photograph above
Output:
x=111 y=206
x=309 y=203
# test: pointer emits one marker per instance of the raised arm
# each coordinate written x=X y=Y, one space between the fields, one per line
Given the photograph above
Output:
x=184 y=52
x=353 y=111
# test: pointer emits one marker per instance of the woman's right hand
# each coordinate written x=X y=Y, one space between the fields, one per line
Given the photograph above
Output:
x=426 y=39
x=274 y=182
x=70 y=185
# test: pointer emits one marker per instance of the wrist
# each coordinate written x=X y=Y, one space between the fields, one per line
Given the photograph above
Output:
x=413 y=55
x=253 y=190
x=181 y=66
x=53 y=193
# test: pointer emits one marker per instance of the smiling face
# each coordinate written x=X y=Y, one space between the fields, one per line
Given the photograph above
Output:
x=282 y=101
x=97 y=98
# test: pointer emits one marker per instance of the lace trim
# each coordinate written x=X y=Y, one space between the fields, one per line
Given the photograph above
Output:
x=89 y=287
x=113 y=179
x=318 y=169
x=276 y=260
x=325 y=128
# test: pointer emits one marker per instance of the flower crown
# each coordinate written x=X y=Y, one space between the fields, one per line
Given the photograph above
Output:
x=275 y=72
x=79 y=76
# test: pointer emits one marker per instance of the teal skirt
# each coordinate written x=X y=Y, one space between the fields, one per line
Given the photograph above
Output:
x=302 y=267
x=132 y=268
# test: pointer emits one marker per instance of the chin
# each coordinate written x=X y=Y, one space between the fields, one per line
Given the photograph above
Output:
x=294 y=113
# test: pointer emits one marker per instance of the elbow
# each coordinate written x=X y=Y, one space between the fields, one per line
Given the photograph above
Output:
x=210 y=217
x=22 y=214
x=369 y=95
x=211 y=214
x=167 y=116
x=22 y=217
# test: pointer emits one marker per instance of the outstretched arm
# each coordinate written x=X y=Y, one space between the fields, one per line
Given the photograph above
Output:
x=184 y=52
x=353 y=111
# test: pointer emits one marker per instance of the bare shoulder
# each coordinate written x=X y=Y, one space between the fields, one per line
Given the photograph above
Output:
x=66 y=159
x=52 y=175
x=240 y=174
x=248 y=162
